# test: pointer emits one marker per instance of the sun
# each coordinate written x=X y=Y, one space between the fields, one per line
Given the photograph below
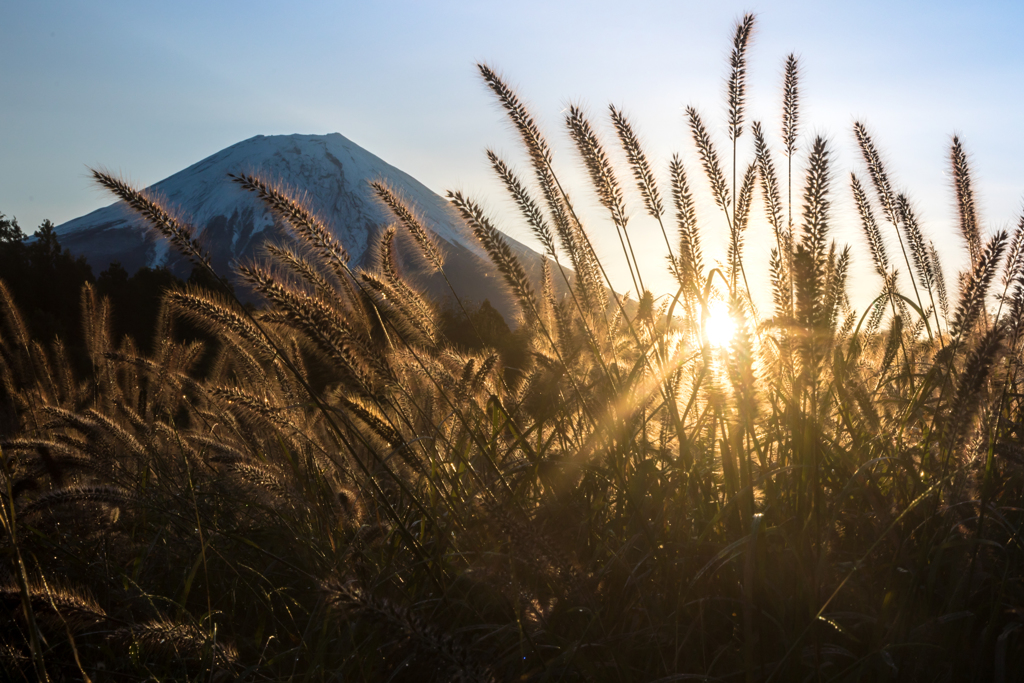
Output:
x=719 y=326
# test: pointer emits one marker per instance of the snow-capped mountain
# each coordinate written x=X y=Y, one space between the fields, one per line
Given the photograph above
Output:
x=334 y=174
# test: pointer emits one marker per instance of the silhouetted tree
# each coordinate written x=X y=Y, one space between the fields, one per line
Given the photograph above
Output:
x=44 y=279
x=10 y=231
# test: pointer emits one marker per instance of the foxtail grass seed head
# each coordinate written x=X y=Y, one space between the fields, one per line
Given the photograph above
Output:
x=529 y=208
x=500 y=252
x=175 y=230
x=738 y=75
x=791 y=105
x=641 y=167
x=291 y=207
x=817 y=206
x=709 y=159
x=521 y=119
x=877 y=172
x=412 y=223
x=598 y=165
x=965 y=199
x=916 y=242
x=691 y=264
x=769 y=183
x=867 y=220
x=975 y=287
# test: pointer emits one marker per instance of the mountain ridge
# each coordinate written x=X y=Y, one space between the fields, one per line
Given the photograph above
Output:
x=331 y=172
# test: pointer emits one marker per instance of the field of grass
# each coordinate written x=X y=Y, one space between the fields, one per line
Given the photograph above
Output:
x=684 y=487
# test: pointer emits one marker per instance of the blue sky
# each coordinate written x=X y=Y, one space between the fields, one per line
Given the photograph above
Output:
x=150 y=88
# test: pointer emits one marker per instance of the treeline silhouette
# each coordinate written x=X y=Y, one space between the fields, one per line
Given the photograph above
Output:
x=45 y=281
x=43 y=278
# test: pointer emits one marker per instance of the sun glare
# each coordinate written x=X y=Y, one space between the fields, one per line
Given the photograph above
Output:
x=719 y=325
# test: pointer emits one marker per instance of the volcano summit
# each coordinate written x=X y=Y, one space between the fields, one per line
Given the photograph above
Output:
x=331 y=172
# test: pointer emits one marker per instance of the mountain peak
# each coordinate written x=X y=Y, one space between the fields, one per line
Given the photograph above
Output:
x=330 y=171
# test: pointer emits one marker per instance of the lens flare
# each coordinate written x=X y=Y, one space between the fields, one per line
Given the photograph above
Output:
x=719 y=325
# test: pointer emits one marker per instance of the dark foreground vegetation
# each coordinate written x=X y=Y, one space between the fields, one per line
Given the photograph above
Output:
x=347 y=489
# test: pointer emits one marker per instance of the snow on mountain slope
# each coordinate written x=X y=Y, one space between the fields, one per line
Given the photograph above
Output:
x=331 y=171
